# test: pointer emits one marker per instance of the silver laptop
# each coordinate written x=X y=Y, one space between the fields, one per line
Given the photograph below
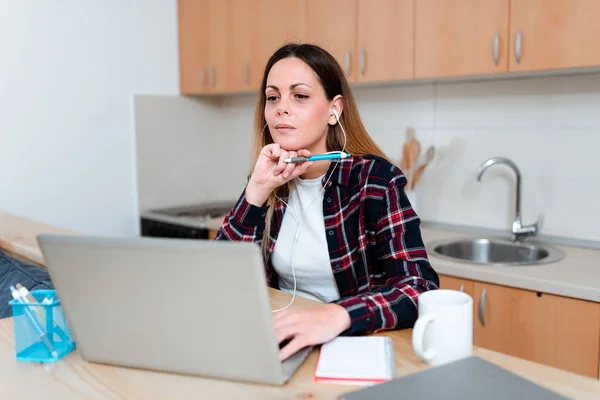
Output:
x=177 y=305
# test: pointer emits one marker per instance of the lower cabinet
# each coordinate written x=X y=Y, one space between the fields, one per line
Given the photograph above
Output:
x=553 y=330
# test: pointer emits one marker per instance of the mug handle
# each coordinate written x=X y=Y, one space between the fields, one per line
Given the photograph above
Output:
x=418 y=336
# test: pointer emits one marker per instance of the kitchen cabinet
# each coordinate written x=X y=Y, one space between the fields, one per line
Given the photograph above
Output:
x=385 y=40
x=193 y=46
x=202 y=46
x=551 y=34
x=332 y=25
x=553 y=330
x=372 y=41
x=452 y=283
x=272 y=23
x=461 y=37
x=225 y=44
x=239 y=52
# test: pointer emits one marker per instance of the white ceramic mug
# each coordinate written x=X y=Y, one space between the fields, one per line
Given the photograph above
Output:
x=444 y=330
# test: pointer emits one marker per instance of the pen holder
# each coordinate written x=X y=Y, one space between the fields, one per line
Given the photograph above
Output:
x=41 y=330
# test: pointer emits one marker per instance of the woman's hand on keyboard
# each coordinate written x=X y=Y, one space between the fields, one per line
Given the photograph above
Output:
x=309 y=327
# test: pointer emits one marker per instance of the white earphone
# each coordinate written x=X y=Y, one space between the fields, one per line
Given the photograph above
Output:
x=298 y=222
x=336 y=114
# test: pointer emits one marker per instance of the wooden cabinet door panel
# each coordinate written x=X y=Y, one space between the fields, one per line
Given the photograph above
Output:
x=274 y=22
x=385 y=40
x=457 y=37
x=555 y=34
x=551 y=330
x=193 y=46
x=331 y=24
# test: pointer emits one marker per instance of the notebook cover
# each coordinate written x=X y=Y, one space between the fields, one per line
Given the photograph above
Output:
x=351 y=347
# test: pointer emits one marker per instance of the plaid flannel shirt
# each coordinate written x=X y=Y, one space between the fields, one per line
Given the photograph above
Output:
x=377 y=255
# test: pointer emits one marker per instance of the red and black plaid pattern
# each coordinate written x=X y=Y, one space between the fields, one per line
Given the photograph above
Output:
x=377 y=254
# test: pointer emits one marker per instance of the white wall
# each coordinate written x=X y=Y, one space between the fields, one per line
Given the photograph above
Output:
x=548 y=125
x=176 y=159
x=68 y=72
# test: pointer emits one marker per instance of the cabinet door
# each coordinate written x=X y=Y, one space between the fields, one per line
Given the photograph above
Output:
x=202 y=46
x=385 y=40
x=217 y=48
x=331 y=24
x=554 y=34
x=273 y=23
x=193 y=46
x=460 y=37
x=453 y=283
x=238 y=45
x=551 y=330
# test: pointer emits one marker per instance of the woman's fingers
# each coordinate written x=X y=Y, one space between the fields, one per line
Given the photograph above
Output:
x=280 y=167
x=304 y=167
x=287 y=172
x=292 y=347
x=285 y=332
x=300 y=169
x=272 y=151
x=304 y=153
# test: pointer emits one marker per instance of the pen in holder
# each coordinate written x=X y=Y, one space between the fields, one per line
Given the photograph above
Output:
x=41 y=330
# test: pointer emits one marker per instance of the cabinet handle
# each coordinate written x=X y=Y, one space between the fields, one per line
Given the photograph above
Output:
x=347 y=62
x=482 y=308
x=518 y=40
x=203 y=76
x=496 y=47
x=361 y=61
x=462 y=288
x=211 y=77
x=247 y=74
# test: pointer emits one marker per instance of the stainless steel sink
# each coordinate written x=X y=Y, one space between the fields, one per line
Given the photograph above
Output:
x=495 y=252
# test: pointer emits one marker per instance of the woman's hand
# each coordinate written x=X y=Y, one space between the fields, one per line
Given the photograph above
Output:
x=271 y=172
x=309 y=327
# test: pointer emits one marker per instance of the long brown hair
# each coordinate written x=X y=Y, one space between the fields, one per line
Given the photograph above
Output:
x=334 y=83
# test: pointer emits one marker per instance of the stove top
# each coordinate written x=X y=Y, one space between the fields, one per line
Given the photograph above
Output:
x=195 y=215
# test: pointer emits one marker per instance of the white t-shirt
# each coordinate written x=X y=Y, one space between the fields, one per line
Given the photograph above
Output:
x=314 y=276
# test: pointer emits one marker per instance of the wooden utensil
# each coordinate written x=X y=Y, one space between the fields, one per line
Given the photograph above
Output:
x=421 y=168
x=410 y=134
x=414 y=149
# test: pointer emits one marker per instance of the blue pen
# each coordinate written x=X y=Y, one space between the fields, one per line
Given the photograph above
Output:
x=318 y=157
x=34 y=321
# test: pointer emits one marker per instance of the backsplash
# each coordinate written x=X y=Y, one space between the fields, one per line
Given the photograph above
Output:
x=547 y=125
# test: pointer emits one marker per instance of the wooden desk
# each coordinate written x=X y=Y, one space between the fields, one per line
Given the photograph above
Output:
x=18 y=237
x=73 y=378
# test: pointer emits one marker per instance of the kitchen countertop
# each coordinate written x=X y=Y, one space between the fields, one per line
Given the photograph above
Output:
x=18 y=236
x=577 y=275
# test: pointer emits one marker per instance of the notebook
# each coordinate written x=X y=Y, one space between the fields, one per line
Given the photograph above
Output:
x=466 y=379
x=356 y=360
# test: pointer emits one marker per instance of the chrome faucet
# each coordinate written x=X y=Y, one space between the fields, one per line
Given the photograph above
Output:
x=518 y=229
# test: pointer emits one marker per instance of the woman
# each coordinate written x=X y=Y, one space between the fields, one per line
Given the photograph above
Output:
x=342 y=231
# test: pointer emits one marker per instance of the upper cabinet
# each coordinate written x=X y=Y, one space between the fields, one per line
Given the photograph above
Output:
x=225 y=44
x=460 y=37
x=331 y=25
x=202 y=43
x=385 y=40
x=273 y=23
x=256 y=29
x=193 y=46
x=372 y=41
x=550 y=34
